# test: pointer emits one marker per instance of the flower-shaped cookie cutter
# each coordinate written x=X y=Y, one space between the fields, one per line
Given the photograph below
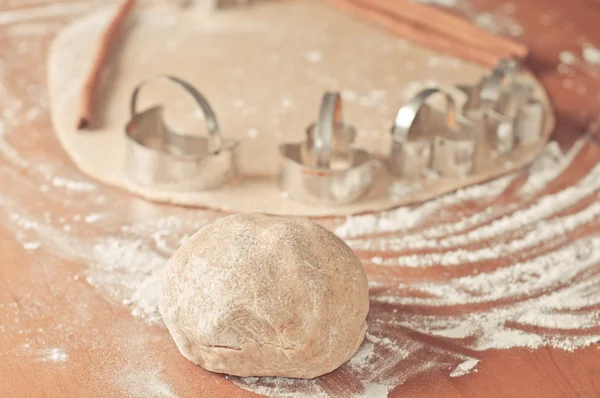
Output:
x=161 y=158
x=424 y=137
x=325 y=169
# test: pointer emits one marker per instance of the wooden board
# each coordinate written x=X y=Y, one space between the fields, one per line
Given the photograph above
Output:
x=60 y=336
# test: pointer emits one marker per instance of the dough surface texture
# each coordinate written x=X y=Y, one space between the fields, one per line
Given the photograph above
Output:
x=262 y=295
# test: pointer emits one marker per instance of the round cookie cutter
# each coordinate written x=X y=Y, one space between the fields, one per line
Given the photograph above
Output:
x=162 y=158
x=325 y=169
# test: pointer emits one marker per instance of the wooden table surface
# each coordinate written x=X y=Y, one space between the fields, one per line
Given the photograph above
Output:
x=62 y=337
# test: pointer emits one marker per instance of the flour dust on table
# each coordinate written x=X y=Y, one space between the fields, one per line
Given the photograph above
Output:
x=518 y=254
x=515 y=292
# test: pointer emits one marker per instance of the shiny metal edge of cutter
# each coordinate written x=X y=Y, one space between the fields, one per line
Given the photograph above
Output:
x=325 y=169
x=162 y=158
x=501 y=114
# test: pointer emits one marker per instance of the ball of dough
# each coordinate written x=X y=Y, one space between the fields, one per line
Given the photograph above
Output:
x=263 y=295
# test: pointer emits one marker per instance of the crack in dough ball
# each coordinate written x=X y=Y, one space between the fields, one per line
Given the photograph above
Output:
x=262 y=295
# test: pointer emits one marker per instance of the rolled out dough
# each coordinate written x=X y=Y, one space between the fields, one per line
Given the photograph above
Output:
x=264 y=69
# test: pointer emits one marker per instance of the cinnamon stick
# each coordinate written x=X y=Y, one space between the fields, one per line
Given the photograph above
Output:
x=425 y=37
x=106 y=43
x=445 y=24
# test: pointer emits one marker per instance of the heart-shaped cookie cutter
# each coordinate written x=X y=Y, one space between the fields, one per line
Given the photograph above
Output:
x=325 y=169
x=424 y=137
x=161 y=158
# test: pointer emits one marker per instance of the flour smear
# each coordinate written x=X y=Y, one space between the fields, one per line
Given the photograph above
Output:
x=519 y=255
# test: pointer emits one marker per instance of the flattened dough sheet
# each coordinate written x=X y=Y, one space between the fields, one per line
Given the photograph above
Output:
x=264 y=69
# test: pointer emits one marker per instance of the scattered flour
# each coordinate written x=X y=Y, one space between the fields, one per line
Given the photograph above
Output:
x=92 y=218
x=56 y=355
x=374 y=390
x=500 y=20
x=538 y=293
x=546 y=167
x=591 y=54
x=567 y=57
x=464 y=368
x=520 y=266
x=587 y=61
x=77 y=186
x=147 y=384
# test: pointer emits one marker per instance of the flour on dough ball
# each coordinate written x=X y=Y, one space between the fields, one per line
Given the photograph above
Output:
x=262 y=295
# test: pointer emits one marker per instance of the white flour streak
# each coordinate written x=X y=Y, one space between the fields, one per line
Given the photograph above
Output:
x=464 y=368
x=544 y=208
x=71 y=185
x=57 y=355
x=405 y=218
x=548 y=166
x=92 y=218
x=562 y=321
x=546 y=231
x=591 y=54
x=515 y=281
x=281 y=388
x=53 y=355
x=146 y=384
x=374 y=390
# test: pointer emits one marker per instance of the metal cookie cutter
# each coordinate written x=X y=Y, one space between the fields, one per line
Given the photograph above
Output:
x=411 y=142
x=425 y=137
x=159 y=157
x=530 y=122
x=325 y=169
x=503 y=110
